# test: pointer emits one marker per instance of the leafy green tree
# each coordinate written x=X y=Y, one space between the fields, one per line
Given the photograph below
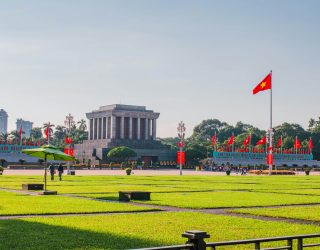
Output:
x=36 y=134
x=121 y=153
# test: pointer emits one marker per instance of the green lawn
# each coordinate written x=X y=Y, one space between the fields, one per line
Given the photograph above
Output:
x=107 y=184
x=127 y=231
x=311 y=213
x=225 y=199
x=20 y=204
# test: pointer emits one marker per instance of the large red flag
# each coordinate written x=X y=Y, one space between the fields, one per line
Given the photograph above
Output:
x=231 y=140
x=297 y=143
x=246 y=141
x=262 y=141
x=265 y=84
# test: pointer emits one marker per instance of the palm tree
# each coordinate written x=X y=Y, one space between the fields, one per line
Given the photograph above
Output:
x=4 y=137
x=15 y=135
x=82 y=124
x=59 y=135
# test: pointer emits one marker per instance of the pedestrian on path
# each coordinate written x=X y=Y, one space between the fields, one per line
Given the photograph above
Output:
x=52 y=170
x=60 y=171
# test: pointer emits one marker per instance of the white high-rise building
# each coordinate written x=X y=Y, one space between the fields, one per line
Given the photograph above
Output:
x=3 y=121
x=26 y=127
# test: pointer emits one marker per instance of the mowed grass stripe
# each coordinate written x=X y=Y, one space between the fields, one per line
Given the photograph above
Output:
x=136 y=230
x=310 y=213
x=225 y=199
x=21 y=204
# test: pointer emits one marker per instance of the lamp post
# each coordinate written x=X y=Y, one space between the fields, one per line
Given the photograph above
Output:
x=69 y=122
x=181 y=133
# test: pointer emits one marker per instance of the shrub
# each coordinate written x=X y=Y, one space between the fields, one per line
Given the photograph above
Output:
x=128 y=171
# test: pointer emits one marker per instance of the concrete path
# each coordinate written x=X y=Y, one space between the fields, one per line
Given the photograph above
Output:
x=167 y=172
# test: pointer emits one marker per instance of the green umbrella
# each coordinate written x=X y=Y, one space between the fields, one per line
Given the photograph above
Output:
x=48 y=152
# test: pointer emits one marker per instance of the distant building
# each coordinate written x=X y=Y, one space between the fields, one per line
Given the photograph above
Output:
x=123 y=125
x=26 y=127
x=3 y=121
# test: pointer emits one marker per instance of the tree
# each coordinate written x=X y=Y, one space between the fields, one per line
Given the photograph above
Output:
x=36 y=134
x=15 y=135
x=82 y=124
x=4 y=137
x=59 y=136
x=121 y=153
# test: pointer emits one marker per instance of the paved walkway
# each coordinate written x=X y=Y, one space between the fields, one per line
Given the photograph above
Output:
x=167 y=172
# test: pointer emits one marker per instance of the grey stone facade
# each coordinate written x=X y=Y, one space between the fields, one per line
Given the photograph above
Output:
x=123 y=125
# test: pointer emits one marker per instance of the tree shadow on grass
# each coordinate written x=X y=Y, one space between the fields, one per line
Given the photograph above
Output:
x=20 y=234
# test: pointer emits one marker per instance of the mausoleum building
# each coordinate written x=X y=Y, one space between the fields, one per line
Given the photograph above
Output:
x=123 y=125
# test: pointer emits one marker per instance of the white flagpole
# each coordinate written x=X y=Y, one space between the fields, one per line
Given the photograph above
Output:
x=270 y=132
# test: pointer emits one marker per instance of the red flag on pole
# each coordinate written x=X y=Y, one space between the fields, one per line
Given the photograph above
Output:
x=213 y=140
x=20 y=132
x=279 y=143
x=262 y=141
x=297 y=143
x=231 y=140
x=246 y=141
x=47 y=133
x=310 y=145
x=265 y=84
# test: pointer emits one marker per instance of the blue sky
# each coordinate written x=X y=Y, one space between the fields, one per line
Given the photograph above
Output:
x=188 y=60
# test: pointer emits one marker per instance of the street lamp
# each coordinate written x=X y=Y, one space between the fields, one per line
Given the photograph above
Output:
x=181 y=133
x=68 y=122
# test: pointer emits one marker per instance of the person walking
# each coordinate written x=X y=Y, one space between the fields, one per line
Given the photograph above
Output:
x=52 y=170
x=60 y=171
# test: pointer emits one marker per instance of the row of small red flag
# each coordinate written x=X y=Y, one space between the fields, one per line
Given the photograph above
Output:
x=262 y=141
x=262 y=150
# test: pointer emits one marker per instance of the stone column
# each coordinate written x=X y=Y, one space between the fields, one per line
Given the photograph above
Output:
x=130 y=128
x=154 y=129
x=122 y=128
x=106 y=128
x=146 y=137
x=99 y=128
x=113 y=127
x=95 y=131
x=138 y=128
x=90 y=129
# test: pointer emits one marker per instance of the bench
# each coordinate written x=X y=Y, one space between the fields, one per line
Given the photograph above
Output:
x=134 y=195
x=33 y=186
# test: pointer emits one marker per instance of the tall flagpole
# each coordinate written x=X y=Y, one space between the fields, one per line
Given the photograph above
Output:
x=270 y=131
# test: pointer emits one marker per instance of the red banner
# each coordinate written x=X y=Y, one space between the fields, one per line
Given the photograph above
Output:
x=270 y=159
x=69 y=151
x=181 y=157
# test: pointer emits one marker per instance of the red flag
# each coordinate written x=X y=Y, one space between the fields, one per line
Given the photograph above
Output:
x=20 y=132
x=265 y=84
x=246 y=141
x=47 y=132
x=310 y=145
x=213 y=140
x=297 y=143
x=231 y=140
x=279 y=143
x=262 y=141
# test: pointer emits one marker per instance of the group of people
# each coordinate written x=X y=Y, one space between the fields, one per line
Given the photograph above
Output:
x=53 y=171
